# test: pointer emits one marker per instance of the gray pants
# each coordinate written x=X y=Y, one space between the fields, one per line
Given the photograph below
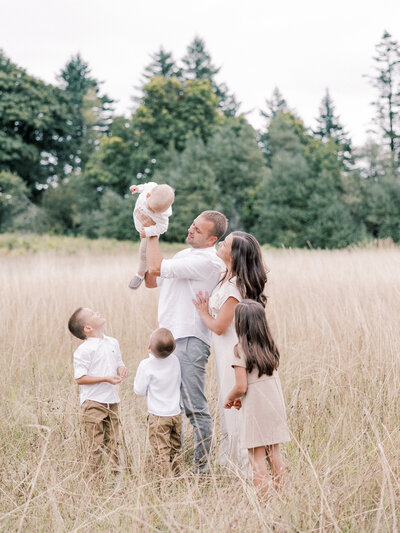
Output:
x=193 y=355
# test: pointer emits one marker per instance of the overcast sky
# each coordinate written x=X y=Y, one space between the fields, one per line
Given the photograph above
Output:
x=300 y=47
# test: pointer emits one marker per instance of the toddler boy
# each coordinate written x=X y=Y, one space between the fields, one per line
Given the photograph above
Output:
x=154 y=202
x=98 y=368
x=159 y=378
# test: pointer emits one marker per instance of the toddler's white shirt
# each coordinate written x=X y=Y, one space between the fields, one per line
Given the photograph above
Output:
x=160 y=219
x=98 y=357
x=160 y=381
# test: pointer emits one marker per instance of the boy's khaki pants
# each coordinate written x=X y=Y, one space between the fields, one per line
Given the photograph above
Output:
x=165 y=439
x=102 y=427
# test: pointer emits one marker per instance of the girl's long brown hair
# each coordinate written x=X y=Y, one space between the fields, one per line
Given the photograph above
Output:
x=255 y=338
x=248 y=267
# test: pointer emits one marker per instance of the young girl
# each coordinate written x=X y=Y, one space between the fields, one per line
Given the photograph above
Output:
x=258 y=391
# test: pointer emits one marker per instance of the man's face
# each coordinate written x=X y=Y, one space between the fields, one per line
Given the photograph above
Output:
x=199 y=233
x=92 y=318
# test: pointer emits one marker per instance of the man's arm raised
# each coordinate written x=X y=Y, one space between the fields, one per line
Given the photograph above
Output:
x=154 y=259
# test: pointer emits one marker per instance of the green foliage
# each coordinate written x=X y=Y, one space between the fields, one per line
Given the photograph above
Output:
x=387 y=82
x=107 y=166
x=162 y=64
x=238 y=166
x=198 y=66
x=92 y=112
x=35 y=130
x=329 y=129
x=14 y=199
x=195 y=187
x=301 y=201
x=114 y=219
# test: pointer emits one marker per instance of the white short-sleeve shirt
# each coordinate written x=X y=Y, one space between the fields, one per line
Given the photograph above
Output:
x=98 y=357
x=181 y=278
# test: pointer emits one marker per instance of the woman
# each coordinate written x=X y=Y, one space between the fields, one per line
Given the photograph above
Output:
x=245 y=278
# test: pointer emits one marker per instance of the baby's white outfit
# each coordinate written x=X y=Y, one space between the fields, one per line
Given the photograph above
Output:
x=160 y=219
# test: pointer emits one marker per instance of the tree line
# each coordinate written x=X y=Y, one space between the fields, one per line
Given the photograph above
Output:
x=67 y=160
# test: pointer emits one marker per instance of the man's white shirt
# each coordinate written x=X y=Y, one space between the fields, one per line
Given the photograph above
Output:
x=98 y=357
x=181 y=278
x=159 y=379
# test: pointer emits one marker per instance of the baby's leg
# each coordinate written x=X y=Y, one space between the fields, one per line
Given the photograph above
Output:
x=278 y=467
x=142 y=257
x=137 y=280
x=258 y=461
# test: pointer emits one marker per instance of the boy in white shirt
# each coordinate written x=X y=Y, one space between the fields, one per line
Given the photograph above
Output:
x=159 y=379
x=154 y=202
x=98 y=368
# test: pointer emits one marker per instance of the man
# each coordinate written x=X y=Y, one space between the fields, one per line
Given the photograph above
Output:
x=192 y=270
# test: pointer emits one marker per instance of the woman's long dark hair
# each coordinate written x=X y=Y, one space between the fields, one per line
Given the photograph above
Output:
x=255 y=338
x=248 y=267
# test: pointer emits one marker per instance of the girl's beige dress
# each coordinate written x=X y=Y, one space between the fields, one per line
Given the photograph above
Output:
x=263 y=407
x=230 y=451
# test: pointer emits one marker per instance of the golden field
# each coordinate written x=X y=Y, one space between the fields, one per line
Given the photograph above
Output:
x=336 y=318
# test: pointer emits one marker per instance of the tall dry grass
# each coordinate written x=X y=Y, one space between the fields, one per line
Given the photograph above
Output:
x=336 y=317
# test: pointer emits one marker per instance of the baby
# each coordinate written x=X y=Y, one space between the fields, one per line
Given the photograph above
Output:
x=154 y=202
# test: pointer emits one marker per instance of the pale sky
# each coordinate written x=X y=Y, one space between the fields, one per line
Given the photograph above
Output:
x=300 y=47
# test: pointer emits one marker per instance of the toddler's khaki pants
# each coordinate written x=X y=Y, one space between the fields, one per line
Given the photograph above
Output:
x=165 y=438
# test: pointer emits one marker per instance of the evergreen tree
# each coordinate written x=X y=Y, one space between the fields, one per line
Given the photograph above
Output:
x=276 y=104
x=93 y=111
x=195 y=185
x=162 y=64
x=198 y=66
x=301 y=200
x=387 y=81
x=239 y=168
x=329 y=129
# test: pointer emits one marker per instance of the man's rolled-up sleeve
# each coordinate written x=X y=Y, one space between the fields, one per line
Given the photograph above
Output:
x=190 y=267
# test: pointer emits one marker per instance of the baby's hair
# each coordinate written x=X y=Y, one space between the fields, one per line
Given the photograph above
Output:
x=255 y=338
x=162 y=342
x=76 y=325
x=161 y=197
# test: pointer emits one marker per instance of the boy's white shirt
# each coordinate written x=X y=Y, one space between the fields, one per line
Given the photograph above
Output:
x=160 y=381
x=160 y=219
x=98 y=357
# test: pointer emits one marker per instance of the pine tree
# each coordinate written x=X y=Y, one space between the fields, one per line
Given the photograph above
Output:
x=329 y=129
x=93 y=111
x=162 y=64
x=198 y=66
x=387 y=81
x=276 y=104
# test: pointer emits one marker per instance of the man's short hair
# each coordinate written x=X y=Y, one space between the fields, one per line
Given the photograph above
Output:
x=76 y=325
x=162 y=342
x=219 y=220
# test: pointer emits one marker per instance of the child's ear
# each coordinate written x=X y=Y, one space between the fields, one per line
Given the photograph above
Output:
x=149 y=347
x=87 y=329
